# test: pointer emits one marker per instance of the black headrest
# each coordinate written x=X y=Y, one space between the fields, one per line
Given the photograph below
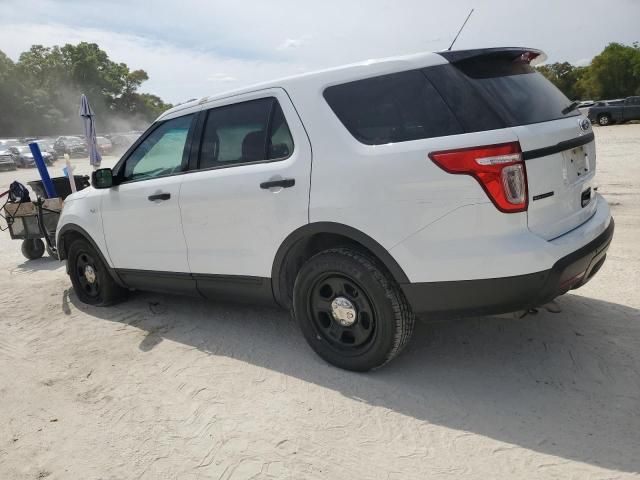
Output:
x=253 y=146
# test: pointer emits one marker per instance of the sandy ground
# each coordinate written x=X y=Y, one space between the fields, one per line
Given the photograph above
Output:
x=167 y=387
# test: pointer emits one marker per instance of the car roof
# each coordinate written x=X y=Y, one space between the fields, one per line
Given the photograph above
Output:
x=359 y=70
x=400 y=62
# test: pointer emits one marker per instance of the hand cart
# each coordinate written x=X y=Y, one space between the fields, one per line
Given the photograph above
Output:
x=32 y=222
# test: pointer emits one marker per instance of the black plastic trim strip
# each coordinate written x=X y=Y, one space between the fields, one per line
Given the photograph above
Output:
x=560 y=147
x=231 y=288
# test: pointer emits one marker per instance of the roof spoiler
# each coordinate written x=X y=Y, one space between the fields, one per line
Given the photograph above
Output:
x=515 y=54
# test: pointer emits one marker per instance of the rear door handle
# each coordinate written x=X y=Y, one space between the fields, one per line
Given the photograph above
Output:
x=159 y=196
x=284 y=183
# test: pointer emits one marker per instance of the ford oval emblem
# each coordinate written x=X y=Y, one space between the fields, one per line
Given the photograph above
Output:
x=585 y=124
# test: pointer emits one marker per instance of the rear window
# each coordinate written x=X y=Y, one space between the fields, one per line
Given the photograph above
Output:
x=515 y=91
x=392 y=108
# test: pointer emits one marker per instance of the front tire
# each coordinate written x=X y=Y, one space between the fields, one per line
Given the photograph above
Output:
x=90 y=278
x=350 y=311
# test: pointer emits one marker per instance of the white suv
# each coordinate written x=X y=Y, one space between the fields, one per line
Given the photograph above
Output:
x=453 y=183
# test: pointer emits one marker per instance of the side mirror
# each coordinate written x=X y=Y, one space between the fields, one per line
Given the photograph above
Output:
x=102 y=178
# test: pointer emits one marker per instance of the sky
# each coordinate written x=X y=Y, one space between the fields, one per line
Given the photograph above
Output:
x=193 y=48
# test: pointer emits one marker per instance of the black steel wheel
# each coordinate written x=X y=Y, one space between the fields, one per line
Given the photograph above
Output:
x=350 y=311
x=90 y=277
x=87 y=274
x=342 y=313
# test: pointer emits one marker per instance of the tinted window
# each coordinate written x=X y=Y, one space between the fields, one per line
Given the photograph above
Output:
x=163 y=152
x=392 y=108
x=246 y=132
x=515 y=90
x=474 y=113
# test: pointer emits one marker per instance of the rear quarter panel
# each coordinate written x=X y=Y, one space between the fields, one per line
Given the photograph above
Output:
x=388 y=192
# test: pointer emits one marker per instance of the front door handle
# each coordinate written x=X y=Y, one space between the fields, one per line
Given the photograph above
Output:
x=284 y=183
x=159 y=196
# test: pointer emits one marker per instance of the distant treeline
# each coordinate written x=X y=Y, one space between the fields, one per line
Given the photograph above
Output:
x=40 y=93
x=614 y=73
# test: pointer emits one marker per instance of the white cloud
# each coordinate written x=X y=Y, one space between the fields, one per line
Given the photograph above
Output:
x=583 y=62
x=291 y=43
x=176 y=74
x=198 y=47
x=221 y=77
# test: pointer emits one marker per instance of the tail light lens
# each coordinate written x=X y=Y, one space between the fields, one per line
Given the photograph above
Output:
x=499 y=169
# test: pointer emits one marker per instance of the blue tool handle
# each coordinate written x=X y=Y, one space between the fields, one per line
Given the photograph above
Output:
x=42 y=168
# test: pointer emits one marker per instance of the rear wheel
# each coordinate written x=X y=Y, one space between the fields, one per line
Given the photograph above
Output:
x=604 y=120
x=32 y=248
x=90 y=278
x=351 y=313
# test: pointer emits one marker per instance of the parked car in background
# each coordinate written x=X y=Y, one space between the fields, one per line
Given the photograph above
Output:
x=453 y=183
x=71 y=145
x=122 y=141
x=6 y=159
x=47 y=145
x=105 y=147
x=584 y=105
x=23 y=157
x=9 y=142
x=615 y=111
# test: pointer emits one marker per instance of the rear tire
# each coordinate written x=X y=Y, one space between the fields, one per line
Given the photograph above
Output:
x=350 y=311
x=32 y=248
x=90 y=278
x=604 y=120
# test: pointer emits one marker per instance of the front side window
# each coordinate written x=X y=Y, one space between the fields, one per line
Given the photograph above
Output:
x=246 y=132
x=163 y=152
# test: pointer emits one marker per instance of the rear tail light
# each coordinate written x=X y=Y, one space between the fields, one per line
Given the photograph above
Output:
x=499 y=169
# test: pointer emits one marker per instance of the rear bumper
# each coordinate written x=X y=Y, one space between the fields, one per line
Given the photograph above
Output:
x=509 y=294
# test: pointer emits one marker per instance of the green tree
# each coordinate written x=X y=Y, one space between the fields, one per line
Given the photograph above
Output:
x=567 y=77
x=615 y=73
x=40 y=94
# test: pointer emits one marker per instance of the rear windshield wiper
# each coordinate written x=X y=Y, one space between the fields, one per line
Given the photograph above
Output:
x=570 y=108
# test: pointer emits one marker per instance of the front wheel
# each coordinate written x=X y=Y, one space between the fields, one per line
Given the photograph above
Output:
x=90 y=278
x=350 y=311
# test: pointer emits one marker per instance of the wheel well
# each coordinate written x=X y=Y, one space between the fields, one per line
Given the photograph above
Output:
x=305 y=248
x=66 y=239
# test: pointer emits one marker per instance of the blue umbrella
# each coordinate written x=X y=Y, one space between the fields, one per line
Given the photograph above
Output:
x=88 y=121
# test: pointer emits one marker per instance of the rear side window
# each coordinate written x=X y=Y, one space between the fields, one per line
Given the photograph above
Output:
x=474 y=113
x=392 y=108
x=245 y=132
x=514 y=90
